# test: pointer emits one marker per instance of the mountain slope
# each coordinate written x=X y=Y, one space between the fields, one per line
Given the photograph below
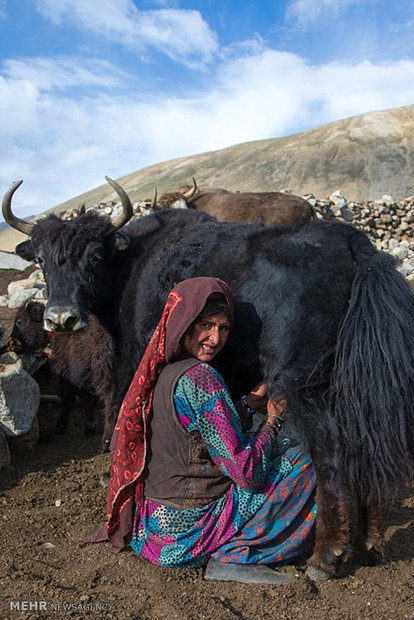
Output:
x=365 y=156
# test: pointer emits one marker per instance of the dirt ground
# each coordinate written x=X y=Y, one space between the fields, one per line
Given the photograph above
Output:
x=45 y=573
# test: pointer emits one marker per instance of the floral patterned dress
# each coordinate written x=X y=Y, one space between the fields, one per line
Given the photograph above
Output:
x=267 y=513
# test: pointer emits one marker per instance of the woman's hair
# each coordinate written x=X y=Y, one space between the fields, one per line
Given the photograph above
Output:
x=215 y=304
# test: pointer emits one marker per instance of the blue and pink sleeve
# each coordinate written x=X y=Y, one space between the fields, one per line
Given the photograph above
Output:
x=203 y=403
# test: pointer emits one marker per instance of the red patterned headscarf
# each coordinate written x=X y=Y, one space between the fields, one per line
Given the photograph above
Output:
x=130 y=440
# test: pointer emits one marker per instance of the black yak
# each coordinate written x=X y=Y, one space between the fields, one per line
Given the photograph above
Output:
x=321 y=316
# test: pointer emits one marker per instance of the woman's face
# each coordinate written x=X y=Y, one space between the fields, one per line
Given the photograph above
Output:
x=207 y=337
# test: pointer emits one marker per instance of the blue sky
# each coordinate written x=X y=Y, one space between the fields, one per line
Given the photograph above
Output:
x=95 y=87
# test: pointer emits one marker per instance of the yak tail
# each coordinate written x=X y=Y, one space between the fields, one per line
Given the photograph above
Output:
x=373 y=377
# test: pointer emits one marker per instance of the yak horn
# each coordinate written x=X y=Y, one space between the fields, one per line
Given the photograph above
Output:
x=12 y=220
x=154 y=200
x=127 y=211
x=192 y=191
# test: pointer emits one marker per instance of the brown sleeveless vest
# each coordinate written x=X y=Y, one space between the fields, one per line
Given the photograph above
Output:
x=180 y=471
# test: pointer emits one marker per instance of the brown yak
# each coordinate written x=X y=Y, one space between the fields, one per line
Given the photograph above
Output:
x=78 y=365
x=270 y=208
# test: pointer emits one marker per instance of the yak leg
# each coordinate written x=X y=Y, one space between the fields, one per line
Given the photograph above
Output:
x=89 y=408
x=87 y=404
x=106 y=397
x=109 y=425
x=103 y=386
x=332 y=544
x=370 y=537
x=68 y=395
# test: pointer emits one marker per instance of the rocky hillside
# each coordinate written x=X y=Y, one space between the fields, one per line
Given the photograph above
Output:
x=365 y=156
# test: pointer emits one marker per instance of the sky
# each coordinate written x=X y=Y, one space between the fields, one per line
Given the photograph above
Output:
x=90 y=88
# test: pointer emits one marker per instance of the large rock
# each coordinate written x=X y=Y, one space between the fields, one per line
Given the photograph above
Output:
x=35 y=280
x=19 y=396
x=8 y=260
x=21 y=296
x=22 y=291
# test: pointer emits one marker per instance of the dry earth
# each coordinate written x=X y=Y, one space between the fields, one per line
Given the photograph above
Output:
x=41 y=560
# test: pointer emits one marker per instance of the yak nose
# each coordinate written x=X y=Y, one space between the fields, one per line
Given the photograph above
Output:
x=65 y=319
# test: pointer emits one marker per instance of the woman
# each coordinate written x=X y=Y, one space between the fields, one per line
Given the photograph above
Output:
x=187 y=486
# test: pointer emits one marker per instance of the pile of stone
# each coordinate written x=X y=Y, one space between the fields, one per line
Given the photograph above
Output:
x=19 y=405
x=389 y=223
x=140 y=208
x=21 y=291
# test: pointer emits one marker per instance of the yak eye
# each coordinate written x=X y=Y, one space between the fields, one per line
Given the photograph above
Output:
x=20 y=322
x=95 y=258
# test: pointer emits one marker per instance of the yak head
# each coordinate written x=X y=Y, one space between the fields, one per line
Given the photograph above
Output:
x=180 y=197
x=77 y=258
x=28 y=333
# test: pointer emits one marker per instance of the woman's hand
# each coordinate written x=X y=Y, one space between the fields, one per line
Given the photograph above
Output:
x=276 y=413
x=276 y=409
x=257 y=397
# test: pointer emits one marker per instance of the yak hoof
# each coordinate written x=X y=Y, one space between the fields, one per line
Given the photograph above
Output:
x=316 y=574
x=372 y=553
x=375 y=546
x=105 y=446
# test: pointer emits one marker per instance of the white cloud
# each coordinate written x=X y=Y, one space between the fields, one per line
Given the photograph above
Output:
x=283 y=90
x=62 y=73
x=306 y=12
x=181 y=34
x=350 y=89
x=64 y=145
x=3 y=10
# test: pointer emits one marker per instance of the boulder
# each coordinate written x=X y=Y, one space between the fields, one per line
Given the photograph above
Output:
x=41 y=294
x=21 y=291
x=21 y=296
x=19 y=285
x=338 y=198
x=37 y=279
x=8 y=260
x=19 y=396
